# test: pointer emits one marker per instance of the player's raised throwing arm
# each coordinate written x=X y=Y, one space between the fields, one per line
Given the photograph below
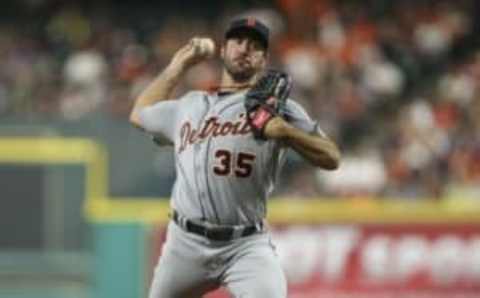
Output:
x=161 y=88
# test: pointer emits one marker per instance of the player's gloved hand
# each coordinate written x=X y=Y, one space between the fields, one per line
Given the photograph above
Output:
x=267 y=99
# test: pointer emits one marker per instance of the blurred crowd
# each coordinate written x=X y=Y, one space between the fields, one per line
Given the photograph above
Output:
x=395 y=83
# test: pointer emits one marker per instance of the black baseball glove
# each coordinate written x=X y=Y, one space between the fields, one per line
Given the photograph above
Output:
x=267 y=99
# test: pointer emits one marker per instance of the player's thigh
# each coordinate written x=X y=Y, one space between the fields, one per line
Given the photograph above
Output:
x=257 y=274
x=179 y=281
x=179 y=274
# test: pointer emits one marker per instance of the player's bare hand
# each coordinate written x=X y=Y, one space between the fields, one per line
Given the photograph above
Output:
x=196 y=50
x=276 y=128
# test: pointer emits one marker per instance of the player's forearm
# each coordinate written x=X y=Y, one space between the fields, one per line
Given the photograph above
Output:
x=320 y=151
x=161 y=88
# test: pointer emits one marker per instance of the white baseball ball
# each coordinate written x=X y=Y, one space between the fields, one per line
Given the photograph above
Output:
x=208 y=46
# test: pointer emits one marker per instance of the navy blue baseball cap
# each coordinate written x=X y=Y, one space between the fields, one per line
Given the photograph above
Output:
x=252 y=25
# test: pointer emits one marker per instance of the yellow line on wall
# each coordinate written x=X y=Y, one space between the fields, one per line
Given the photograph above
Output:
x=52 y=151
x=301 y=211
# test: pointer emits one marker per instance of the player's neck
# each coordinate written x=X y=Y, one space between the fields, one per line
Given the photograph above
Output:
x=228 y=84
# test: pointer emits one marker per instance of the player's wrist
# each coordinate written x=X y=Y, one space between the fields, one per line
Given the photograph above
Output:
x=176 y=68
x=277 y=128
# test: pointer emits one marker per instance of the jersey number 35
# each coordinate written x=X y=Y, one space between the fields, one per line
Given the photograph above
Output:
x=228 y=163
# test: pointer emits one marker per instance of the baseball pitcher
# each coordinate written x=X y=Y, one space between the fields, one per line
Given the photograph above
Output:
x=229 y=148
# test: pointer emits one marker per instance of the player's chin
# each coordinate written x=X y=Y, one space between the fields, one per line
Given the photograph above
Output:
x=242 y=74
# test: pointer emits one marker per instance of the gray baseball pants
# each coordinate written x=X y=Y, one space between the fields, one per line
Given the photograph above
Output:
x=192 y=265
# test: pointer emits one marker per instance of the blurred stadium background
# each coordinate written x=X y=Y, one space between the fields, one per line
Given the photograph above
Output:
x=396 y=83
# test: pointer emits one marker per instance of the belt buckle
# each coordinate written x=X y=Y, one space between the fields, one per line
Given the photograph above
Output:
x=206 y=232
x=217 y=233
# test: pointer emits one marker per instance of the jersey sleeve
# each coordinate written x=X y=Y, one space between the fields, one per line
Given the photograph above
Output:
x=296 y=115
x=160 y=120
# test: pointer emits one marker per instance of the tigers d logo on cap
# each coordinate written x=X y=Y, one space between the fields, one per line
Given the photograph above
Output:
x=251 y=24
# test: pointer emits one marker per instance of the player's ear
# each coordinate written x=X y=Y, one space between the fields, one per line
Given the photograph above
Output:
x=222 y=51
x=265 y=59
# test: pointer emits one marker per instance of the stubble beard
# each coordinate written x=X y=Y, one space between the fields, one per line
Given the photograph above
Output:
x=239 y=74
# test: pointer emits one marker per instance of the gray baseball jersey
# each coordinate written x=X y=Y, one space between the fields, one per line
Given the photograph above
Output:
x=224 y=175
